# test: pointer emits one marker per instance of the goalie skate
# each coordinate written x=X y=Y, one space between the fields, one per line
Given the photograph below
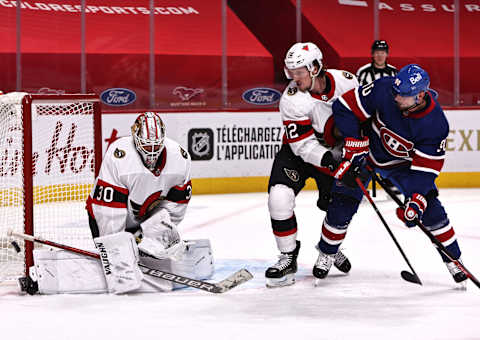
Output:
x=283 y=272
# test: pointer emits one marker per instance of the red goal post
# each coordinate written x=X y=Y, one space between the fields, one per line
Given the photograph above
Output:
x=50 y=153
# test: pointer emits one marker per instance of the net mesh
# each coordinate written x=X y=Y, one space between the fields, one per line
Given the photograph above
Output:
x=63 y=174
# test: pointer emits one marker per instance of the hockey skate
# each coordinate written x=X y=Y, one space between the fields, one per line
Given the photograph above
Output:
x=324 y=263
x=283 y=272
x=457 y=274
x=342 y=263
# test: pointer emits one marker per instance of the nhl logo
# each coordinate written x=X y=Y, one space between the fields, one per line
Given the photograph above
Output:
x=200 y=144
x=292 y=174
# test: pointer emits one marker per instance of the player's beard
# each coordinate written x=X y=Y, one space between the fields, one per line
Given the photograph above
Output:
x=304 y=85
x=405 y=107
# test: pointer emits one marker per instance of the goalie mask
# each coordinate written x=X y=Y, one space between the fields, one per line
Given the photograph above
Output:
x=148 y=133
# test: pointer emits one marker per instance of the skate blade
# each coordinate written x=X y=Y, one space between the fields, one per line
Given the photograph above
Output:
x=461 y=285
x=317 y=282
x=287 y=280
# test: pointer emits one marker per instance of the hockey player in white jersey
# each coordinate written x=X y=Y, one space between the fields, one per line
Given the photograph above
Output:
x=143 y=189
x=144 y=183
x=308 y=140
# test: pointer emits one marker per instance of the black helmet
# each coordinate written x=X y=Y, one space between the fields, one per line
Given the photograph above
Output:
x=380 y=45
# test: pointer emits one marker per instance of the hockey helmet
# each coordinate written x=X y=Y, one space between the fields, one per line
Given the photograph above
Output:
x=148 y=133
x=303 y=54
x=379 y=45
x=410 y=81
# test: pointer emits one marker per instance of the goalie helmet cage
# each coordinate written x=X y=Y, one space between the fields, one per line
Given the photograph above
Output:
x=50 y=153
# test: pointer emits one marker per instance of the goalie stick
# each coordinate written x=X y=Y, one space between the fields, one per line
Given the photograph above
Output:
x=237 y=278
x=407 y=276
x=427 y=232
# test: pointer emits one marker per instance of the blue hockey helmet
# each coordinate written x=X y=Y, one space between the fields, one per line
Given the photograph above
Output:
x=410 y=81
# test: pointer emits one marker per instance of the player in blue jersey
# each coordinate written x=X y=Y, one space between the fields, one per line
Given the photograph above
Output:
x=407 y=131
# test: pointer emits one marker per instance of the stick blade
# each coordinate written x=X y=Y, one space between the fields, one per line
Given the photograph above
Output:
x=233 y=280
x=413 y=278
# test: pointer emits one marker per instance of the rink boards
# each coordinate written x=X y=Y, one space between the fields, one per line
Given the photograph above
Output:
x=234 y=151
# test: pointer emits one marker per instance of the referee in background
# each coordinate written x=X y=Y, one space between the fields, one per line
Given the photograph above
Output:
x=378 y=68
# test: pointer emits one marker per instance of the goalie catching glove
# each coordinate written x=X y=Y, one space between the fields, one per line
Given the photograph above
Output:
x=160 y=237
x=353 y=157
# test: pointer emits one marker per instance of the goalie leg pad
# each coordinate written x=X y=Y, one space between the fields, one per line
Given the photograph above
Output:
x=60 y=272
x=119 y=258
x=196 y=262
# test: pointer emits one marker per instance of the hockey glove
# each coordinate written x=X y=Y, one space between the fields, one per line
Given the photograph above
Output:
x=161 y=238
x=355 y=150
x=353 y=158
x=414 y=208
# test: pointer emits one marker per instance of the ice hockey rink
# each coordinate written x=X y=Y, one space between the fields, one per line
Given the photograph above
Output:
x=371 y=302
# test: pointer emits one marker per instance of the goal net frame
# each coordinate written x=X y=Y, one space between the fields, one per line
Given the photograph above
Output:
x=28 y=154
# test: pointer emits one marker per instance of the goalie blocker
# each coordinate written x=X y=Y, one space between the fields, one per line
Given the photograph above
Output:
x=60 y=271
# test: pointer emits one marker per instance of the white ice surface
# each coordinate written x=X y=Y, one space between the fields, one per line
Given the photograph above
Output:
x=372 y=302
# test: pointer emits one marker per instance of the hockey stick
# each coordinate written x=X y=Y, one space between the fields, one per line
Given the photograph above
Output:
x=427 y=232
x=407 y=276
x=237 y=278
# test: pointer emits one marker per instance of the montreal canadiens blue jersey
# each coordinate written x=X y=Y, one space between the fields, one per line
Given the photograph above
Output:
x=415 y=142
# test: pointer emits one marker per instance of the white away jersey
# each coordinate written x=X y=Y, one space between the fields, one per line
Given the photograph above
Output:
x=307 y=117
x=126 y=192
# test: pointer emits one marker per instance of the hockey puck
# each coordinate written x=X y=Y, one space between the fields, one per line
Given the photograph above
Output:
x=16 y=246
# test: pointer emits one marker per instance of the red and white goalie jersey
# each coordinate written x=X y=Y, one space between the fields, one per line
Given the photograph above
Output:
x=307 y=117
x=126 y=192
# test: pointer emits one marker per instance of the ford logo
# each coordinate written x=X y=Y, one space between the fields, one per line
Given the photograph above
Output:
x=118 y=97
x=261 y=96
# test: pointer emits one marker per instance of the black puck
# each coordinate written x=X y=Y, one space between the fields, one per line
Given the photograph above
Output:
x=16 y=246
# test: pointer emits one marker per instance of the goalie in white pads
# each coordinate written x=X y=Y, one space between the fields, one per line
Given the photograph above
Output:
x=143 y=189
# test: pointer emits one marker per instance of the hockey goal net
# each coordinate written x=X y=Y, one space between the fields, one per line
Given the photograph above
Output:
x=50 y=151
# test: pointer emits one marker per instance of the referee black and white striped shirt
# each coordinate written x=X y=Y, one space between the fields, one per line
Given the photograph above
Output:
x=368 y=73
